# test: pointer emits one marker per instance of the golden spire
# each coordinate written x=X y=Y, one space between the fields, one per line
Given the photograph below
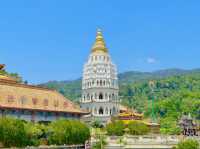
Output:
x=99 y=45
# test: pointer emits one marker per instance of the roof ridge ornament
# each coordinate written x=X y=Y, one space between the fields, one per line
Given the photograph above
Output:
x=99 y=45
x=2 y=66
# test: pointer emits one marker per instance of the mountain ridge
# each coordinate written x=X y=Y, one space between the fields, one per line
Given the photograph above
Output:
x=72 y=88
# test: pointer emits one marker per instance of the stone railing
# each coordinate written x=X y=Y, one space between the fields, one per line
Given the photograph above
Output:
x=148 y=140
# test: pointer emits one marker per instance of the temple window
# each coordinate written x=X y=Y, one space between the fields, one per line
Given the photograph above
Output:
x=100 y=82
x=106 y=110
x=113 y=96
x=45 y=103
x=23 y=100
x=100 y=96
x=34 y=100
x=109 y=96
x=10 y=98
x=100 y=111
x=88 y=96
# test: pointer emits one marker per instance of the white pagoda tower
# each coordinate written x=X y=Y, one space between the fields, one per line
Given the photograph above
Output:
x=100 y=84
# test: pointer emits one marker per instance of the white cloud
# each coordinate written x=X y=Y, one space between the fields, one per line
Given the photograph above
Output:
x=151 y=60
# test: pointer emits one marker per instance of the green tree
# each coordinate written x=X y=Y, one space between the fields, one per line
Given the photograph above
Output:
x=67 y=132
x=115 y=128
x=12 y=132
x=137 y=128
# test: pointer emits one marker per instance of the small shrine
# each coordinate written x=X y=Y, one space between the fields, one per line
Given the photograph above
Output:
x=189 y=126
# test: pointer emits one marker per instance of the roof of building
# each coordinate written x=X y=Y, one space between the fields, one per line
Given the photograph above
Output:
x=99 y=45
x=22 y=96
x=1 y=66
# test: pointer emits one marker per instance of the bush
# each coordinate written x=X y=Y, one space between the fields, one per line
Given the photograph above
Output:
x=137 y=128
x=67 y=132
x=169 y=126
x=18 y=133
x=12 y=132
x=115 y=128
x=188 y=144
x=34 y=132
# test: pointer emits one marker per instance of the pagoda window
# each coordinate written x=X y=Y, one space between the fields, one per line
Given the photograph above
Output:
x=113 y=96
x=100 y=82
x=100 y=111
x=104 y=82
x=100 y=96
x=106 y=110
x=109 y=96
x=88 y=96
x=97 y=82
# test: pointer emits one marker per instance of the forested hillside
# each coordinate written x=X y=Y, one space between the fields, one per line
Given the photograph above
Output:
x=72 y=89
x=176 y=92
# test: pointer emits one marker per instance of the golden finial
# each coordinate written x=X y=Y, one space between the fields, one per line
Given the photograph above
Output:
x=99 y=45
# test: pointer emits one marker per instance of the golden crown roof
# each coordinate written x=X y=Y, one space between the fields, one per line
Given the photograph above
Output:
x=99 y=45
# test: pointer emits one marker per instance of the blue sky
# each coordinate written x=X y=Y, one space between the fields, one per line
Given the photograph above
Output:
x=50 y=39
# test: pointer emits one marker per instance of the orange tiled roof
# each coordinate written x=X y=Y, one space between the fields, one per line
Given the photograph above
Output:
x=21 y=96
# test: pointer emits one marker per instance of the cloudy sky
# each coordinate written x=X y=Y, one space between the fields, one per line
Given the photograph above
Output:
x=50 y=39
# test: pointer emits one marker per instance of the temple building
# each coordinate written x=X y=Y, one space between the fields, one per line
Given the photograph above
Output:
x=33 y=103
x=100 y=84
x=189 y=126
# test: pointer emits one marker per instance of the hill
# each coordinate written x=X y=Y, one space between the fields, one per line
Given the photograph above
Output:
x=72 y=89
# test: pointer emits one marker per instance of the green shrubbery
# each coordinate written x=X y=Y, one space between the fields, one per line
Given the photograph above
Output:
x=115 y=128
x=118 y=128
x=188 y=144
x=137 y=128
x=68 y=132
x=17 y=133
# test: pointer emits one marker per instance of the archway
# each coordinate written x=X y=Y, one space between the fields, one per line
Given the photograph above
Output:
x=100 y=96
x=100 y=111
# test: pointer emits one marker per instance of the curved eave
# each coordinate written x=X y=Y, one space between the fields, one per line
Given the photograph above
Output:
x=46 y=110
